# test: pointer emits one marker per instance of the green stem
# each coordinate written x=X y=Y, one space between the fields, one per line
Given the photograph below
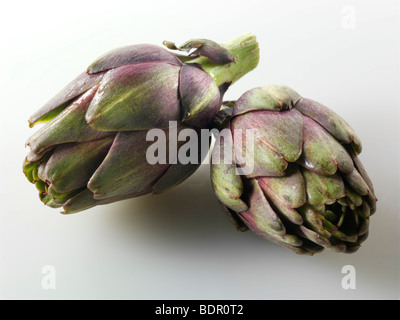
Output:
x=246 y=53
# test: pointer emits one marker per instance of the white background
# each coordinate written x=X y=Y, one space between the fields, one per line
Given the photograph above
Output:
x=179 y=245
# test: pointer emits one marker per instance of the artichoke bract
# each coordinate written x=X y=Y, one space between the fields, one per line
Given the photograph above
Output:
x=307 y=189
x=92 y=148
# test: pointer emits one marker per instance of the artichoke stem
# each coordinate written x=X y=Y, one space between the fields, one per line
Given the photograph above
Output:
x=246 y=53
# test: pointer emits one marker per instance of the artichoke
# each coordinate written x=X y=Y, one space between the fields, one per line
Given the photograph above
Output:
x=307 y=189
x=92 y=148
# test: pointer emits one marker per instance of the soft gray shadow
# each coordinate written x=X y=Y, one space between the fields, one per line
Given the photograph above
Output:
x=190 y=217
x=188 y=213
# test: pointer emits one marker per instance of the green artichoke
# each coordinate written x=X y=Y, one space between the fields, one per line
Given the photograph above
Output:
x=92 y=149
x=307 y=189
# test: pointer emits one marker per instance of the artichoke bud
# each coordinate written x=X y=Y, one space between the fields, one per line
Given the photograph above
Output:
x=92 y=148
x=307 y=183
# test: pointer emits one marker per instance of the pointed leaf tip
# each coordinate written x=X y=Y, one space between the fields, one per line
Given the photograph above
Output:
x=203 y=47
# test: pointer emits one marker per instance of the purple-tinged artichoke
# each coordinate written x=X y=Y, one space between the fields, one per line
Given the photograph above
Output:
x=92 y=150
x=307 y=189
